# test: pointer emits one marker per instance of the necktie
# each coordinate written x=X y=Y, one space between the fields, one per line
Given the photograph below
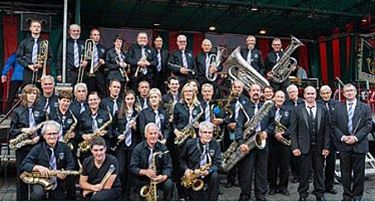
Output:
x=31 y=118
x=258 y=127
x=63 y=118
x=96 y=56
x=203 y=156
x=207 y=64
x=327 y=105
x=157 y=119
x=94 y=125
x=350 y=117
x=115 y=107
x=184 y=60
x=46 y=106
x=52 y=160
x=76 y=54
x=34 y=58
x=144 y=103
x=295 y=103
x=120 y=57
x=237 y=110
x=207 y=112
x=159 y=61
x=82 y=108
x=277 y=115
x=191 y=114
x=311 y=114
x=144 y=55
x=249 y=57
x=128 y=135
x=150 y=157
x=277 y=57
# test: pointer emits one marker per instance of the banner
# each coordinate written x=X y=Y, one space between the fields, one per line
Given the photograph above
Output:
x=366 y=61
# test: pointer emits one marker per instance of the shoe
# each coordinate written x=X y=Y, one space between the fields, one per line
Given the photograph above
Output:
x=302 y=198
x=331 y=191
x=320 y=198
x=284 y=192
x=272 y=192
x=229 y=184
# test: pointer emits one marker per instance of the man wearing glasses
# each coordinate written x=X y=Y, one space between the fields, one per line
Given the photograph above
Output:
x=46 y=157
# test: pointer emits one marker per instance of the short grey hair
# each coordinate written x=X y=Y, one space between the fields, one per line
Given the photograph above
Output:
x=206 y=125
x=48 y=77
x=291 y=87
x=325 y=88
x=80 y=85
x=48 y=125
x=74 y=26
x=150 y=125
x=207 y=85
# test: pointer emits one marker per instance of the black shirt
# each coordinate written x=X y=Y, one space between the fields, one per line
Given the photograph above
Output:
x=95 y=175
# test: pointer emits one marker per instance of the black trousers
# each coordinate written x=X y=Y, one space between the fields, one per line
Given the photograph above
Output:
x=105 y=195
x=330 y=169
x=278 y=165
x=126 y=177
x=177 y=173
x=254 y=163
x=14 y=85
x=210 y=191
x=314 y=159
x=159 y=79
x=353 y=184
x=38 y=193
x=28 y=75
x=22 y=188
x=98 y=83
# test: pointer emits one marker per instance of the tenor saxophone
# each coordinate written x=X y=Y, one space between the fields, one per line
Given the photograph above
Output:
x=44 y=180
x=193 y=180
x=23 y=139
x=70 y=131
x=84 y=146
x=188 y=130
x=150 y=192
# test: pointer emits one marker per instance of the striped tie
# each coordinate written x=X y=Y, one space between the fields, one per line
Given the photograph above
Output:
x=184 y=60
x=76 y=54
x=157 y=119
x=350 y=117
x=248 y=60
x=159 y=62
x=35 y=52
x=96 y=56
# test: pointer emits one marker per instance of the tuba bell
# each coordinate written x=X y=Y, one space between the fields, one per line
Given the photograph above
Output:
x=282 y=69
x=238 y=69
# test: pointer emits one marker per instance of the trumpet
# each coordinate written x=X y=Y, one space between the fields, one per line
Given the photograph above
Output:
x=123 y=67
x=192 y=72
x=41 y=60
x=140 y=68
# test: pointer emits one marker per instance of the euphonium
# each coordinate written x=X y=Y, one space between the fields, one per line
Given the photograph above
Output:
x=280 y=128
x=193 y=180
x=150 y=192
x=238 y=69
x=38 y=178
x=23 y=139
x=84 y=146
x=214 y=60
x=139 y=68
x=188 y=130
x=66 y=138
x=252 y=139
x=282 y=69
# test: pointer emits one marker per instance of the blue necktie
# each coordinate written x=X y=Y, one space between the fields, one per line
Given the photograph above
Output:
x=350 y=117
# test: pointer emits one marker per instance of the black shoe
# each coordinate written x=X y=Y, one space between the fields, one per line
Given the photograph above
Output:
x=331 y=191
x=229 y=184
x=320 y=198
x=284 y=192
x=272 y=192
x=302 y=198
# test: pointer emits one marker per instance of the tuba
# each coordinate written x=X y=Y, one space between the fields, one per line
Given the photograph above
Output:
x=233 y=154
x=45 y=181
x=24 y=139
x=215 y=61
x=282 y=69
x=66 y=138
x=150 y=192
x=238 y=69
x=280 y=128
x=193 y=180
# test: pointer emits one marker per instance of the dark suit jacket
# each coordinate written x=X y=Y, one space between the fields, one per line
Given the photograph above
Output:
x=200 y=61
x=299 y=129
x=113 y=69
x=176 y=58
x=256 y=56
x=271 y=60
x=69 y=55
x=135 y=54
x=164 y=61
x=361 y=118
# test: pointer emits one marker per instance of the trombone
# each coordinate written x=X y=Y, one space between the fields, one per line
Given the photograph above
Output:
x=41 y=60
x=88 y=55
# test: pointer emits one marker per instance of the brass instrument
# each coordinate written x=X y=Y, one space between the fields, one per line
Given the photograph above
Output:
x=139 y=68
x=41 y=60
x=188 y=130
x=48 y=184
x=227 y=107
x=122 y=68
x=282 y=69
x=170 y=109
x=280 y=128
x=150 y=192
x=192 y=72
x=233 y=154
x=66 y=138
x=84 y=146
x=193 y=180
x=88 y=55
x=238 y=69
x=218 y=135
x=24 y=139
x=104 y=180
x=214 y=61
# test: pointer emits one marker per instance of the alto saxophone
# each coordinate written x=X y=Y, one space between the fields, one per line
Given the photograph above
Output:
x=187 y=131
x=44 y=180
x=280 y=128
x=23 y=139
x=84 y=146
x=66 y=138
x=233 y=154
x=193 y=180
x=150 y=192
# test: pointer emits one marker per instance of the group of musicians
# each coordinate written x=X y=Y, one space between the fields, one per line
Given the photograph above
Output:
x=123 y=136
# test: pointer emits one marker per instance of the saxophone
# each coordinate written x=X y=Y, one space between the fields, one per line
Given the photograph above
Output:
x=170 y=109
x=150 y=192
x=280 y=128
x=38 y=178
x=187 y=131
x=70 y=131
x=84 y=146
x=193 y=180
x=24 y=139
x=233 y=154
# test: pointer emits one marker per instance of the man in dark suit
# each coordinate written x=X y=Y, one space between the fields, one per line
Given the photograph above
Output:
x=329 y=170
x=272 y=58
x=353 y=122
x=310 y=135
x=252 y=55
x=205 y=63
x=160 y=74
x=181 y=62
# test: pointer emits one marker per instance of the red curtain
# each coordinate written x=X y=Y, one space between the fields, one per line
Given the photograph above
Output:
x=197 y=42
x=303 y=57
x=173 y=40
x=323 y=60
x=264 y=47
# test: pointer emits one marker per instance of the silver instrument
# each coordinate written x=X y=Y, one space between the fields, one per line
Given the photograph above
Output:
x=214 y=60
